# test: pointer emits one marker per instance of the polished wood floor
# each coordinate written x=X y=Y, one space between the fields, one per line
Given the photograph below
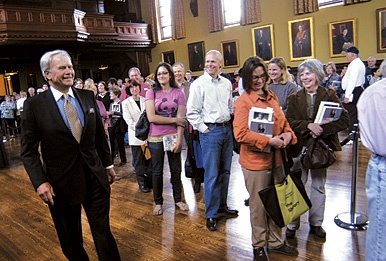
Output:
x=27 y=232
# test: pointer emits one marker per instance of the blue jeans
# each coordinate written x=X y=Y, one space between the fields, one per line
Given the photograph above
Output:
x=157 y=160
x=217 y=149
x=376 y=199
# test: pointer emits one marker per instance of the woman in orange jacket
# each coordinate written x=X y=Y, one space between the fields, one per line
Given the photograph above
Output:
x=256 y=154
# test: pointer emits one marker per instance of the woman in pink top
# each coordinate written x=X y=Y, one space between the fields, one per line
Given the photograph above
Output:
x=166 y=108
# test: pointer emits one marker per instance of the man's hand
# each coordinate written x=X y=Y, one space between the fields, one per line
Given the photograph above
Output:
x=345 y=100
x=46 y=193
x=112 y=175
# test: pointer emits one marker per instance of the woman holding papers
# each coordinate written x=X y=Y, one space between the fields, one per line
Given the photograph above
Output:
x=165 y=108
x=302 y=109
x=255 y=158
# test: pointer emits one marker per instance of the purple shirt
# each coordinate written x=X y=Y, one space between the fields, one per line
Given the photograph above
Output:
x=166 y=105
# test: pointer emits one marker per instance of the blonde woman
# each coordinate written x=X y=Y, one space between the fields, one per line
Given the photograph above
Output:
x=280 y=81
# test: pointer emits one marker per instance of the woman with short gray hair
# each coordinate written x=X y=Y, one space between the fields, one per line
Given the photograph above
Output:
x=301 y=112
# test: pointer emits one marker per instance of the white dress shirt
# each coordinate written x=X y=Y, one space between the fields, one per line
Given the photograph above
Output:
x=209 y=101
x=354 y=77
x=372 y=117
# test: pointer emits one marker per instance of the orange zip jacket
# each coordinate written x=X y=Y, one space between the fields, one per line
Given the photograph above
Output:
x=253 y=160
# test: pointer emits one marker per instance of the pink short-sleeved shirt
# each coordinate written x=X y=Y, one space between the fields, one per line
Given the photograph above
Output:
x=166 y=105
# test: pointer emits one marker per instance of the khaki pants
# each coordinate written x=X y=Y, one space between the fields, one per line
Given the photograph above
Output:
x=264 y=231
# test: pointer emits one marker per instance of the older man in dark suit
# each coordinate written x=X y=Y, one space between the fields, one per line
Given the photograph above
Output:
x=76 y=166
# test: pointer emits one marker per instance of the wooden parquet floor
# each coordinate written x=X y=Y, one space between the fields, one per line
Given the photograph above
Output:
x=27 y=232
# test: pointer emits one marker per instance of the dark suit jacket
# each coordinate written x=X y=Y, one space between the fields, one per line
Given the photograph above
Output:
x=298 y=119
x=65 y=163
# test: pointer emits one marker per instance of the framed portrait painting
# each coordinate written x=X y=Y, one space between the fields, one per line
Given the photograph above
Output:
x=263 y=45
x=342 y=35
x=169 y=57
x=381 y=30
x=196 y=53
x=301 y=39
x=230 y=52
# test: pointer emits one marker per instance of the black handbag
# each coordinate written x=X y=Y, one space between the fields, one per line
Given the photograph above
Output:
x=142 y=127
x=191 y=170
x=317 y=155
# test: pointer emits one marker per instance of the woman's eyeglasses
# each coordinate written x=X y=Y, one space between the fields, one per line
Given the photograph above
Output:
x=256 y=78
x=162 y=73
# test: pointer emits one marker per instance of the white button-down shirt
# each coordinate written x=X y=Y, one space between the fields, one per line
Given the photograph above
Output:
x=209 y=101
x=372 y=117
x=354 y=77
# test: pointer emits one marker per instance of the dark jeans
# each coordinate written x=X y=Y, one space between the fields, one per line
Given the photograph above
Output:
x=120 y=138
x=157 y=160
x=8 y=126
x=142 y=166
x=351 y=107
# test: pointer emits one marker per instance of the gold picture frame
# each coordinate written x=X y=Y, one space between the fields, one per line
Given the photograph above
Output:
x=196 y=53
x=169 y=57
x=342 y=34
x=263 y=43
x=381 y=30
x=230 y=52
x=301 y=39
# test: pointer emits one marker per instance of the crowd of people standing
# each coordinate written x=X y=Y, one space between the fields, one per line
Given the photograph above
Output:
x=213 y=109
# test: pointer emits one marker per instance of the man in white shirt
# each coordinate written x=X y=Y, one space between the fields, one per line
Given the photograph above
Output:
x=352 y=84
x=20 y=101
x=208 y=112
x=372 y=115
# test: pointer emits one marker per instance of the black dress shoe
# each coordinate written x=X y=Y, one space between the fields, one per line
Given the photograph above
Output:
x=144 y=189
x=211 y=224
x=197 y=187
x=290 y=234
x=228 y=211
x=259 y=254
x=285 y=250
x=318 y=231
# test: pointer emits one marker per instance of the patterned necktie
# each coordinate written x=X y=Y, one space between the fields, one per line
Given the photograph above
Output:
x=73 y=118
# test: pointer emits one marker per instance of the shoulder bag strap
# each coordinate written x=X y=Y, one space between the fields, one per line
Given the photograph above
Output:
x=273 y=165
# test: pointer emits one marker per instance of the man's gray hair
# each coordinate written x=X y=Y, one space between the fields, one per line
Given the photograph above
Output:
x=217 y=53
x=179 y=64
x=45 y=61
x=134 y=68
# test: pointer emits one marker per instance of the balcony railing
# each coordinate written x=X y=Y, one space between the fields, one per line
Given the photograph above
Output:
x=19 y=25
